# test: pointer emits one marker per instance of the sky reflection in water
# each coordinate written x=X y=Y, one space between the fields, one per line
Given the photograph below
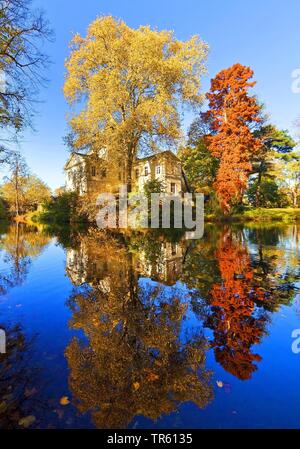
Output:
x=149 y=330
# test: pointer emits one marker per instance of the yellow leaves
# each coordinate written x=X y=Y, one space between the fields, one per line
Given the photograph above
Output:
x=131 y=82
x=95 y=322
x=64 y=400
x=150 y=377
x=115 y=323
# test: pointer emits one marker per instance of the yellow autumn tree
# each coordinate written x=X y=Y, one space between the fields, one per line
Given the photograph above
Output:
x=128 y=85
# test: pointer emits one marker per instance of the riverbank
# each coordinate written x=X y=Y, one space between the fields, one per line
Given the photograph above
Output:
x=259 y=215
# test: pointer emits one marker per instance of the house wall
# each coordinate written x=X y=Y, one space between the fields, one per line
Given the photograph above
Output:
x=76 y=179
x=88 y=176
x=169 y=172
x=104 y=178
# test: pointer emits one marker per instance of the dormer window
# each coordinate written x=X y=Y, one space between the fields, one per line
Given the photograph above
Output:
x=93 y=171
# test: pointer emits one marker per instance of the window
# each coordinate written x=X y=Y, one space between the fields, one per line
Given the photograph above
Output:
x=158 y=170
x=93 y=170
x=103 y=172
x=173 y=187
x=146 y=171
x=137 y=173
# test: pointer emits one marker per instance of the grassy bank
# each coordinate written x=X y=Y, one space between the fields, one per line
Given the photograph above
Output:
x=288 y=215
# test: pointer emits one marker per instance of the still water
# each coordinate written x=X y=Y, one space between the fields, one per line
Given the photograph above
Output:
x=150 y=331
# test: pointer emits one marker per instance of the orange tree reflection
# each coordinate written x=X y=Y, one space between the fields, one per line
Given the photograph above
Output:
x=236 y=321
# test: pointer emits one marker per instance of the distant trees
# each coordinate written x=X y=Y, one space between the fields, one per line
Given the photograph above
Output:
x=287 y=173
x=275 y=147
x=22 y=191
x=129 y=84
x=12 y=190
x=22 y=32
x=60 y=208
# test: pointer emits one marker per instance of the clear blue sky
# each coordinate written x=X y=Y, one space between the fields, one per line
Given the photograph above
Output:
x=263 y=34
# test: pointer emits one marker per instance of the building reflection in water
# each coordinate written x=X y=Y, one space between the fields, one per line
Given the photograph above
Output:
x=134 y=359
x=132 y=300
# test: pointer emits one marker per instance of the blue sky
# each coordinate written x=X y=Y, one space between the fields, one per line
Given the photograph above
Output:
x=262 y=34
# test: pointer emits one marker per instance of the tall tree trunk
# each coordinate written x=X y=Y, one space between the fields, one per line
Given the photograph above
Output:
x=129 y=173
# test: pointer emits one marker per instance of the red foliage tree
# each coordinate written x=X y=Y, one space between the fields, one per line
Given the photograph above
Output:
x=236 y=326
x=232 y=112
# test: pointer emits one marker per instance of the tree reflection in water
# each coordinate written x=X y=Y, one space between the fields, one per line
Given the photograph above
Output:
x=135 y=361
x=19 y=376
x=236 y=323
x=238 y=288
x=20 y=244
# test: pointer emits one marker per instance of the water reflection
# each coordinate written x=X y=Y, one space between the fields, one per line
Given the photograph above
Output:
x=132 y=310
x=19 y=245
x=146 y=311
x=136 y=360
x=18 y=381
x=237 y=322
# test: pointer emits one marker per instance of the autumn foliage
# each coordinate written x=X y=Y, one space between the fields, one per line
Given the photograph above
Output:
x=232 y=113
x=237 y=327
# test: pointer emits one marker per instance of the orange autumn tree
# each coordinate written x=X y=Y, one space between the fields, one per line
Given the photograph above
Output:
x=237 y=326
x=232 y=114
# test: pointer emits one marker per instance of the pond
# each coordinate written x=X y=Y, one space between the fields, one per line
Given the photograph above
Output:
x=149 y=330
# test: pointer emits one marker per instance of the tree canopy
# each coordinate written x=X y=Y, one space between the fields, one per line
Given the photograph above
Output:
x=232 y=113
x=129 y=84
x=22 y=62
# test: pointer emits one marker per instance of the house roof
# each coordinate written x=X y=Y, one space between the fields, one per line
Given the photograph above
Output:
x=146 y=158
x=153 y=156
x=74 y=153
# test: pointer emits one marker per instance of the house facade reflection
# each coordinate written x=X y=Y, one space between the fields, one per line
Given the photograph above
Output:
x=96 y=263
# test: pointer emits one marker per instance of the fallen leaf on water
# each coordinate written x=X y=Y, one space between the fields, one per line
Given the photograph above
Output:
x=27 y=421
x=136 y=385
x=64 y=400
x=219 y=383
